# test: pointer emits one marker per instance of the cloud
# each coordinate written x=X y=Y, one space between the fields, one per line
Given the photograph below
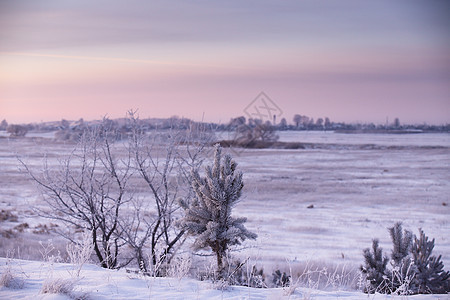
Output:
x=61 y=24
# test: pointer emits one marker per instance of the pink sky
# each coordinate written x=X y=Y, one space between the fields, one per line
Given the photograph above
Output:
x=353 y=61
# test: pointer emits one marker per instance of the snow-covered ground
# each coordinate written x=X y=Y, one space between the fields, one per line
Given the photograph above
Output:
x=382 y=139
x=94 y=282
x=353 y=194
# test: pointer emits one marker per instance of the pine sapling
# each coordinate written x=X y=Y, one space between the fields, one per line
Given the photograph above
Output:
x=430 y=277
x=403 y=269
x=414 y=269
x=402 y=243
x=374 y=269
x=208 y=216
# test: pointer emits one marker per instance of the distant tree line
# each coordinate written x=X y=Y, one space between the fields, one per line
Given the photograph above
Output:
x=244 y=129
x=302 y=122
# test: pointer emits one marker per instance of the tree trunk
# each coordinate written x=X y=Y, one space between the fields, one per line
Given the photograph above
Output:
x=219 y=264
x=97 y=250
x=141 y=261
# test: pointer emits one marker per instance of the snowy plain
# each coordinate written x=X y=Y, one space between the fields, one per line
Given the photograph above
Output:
x=97 y=283
x=353 y=193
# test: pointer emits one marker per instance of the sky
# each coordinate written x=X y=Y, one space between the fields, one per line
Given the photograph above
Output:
x=351 y=61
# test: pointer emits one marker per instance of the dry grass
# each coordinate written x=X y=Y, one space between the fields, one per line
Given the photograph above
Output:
x=320 y=275
x=58 y=286
x=28 y=246
x=63 y=286
x=10 y=280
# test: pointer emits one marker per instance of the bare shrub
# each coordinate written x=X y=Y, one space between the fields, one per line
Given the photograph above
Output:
x=89 y=190
x=163 y=161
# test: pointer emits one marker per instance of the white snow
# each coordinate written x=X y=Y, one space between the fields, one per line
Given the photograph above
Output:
x=97 y=283
x=382 y=139
x=356 y=194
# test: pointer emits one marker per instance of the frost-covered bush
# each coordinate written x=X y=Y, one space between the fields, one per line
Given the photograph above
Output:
x=413 y=269
x=88 y=189
x=208 y=216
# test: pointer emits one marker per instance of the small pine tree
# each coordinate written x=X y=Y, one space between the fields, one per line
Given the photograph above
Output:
x=375 y=269
x=414 y=270
x=243 y=275
x=403 y=268
x=208 y=217
x=280 y=279
x=402 y=243
x=430 y=275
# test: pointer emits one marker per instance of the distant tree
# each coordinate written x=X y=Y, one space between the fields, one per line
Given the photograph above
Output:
x=297 y=120
x=265 y=132
x=327 y=123
x=17 y=130
x=319 y=122
x=3 y=125
x=283 y=124
x=255 y=131
x=235 y=122
x=397 y=123
x=306 y=121
x=65 y=124
x=208 y=216
x=310 y=125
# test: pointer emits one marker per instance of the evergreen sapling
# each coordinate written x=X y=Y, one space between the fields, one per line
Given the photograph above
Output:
x=414 y=269
x=374 y=269
x=430 y=276
x=403 y=268
x=208 y=216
